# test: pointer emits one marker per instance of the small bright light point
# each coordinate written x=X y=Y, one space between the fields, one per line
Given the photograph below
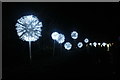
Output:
x=90 y=44
x=61 y=38
x=104 y=44
x=74 y=35
x=80 y=44
x=68 y=45
x=86 y=40
x=99 y=44
x=55 y=35
x=29 y=28
x=95 y=44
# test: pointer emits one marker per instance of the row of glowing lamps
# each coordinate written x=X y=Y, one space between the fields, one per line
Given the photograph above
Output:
x=60 y=38
x=29 y=29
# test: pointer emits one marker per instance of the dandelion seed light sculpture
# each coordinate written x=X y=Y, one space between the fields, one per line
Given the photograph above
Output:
x=29 y=29
x=60 y=39
x=55 y=35
x=80 y=44
x=74 y=35
x=68 y=45
x=86 y=40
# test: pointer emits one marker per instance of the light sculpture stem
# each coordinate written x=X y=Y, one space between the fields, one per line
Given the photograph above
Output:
x=30 y=49
x=61 y=48
x=54 y=48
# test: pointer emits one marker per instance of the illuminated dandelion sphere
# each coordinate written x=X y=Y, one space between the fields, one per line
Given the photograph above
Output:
x=60 y=39
x=74 y=35
x=80 y=44
x=68 y=45
x=55 y=35
x=86 y=40
x=29 y=28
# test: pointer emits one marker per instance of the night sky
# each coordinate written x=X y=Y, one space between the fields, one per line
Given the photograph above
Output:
x=96 y=21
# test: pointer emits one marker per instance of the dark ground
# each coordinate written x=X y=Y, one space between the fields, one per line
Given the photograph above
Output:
x=95 y=64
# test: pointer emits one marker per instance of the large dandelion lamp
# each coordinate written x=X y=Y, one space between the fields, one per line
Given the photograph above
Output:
x=29 y=29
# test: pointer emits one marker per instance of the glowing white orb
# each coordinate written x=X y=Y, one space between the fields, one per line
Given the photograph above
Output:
x=99 y=44
x=61 y=38
x=95 y=44
x=74 y=35
x=55 y=35
x=80 y=44
x=104 y=44
x=29 y=28
x=68 y=45
x=90 y=44
x=86 y=40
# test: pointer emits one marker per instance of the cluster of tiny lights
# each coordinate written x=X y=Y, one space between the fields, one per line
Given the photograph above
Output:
x=68 y=45
x=29 y=28
x=80 y=44
x=74 y=35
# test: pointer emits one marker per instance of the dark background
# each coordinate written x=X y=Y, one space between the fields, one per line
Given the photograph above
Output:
x=97 y=21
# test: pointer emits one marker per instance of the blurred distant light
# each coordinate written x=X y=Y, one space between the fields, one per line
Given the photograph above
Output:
x=55 y=35
x=86 y=45
x=86 y=40
x=108 y=47
x=104 y=44
x=99 y=44
x=90 y=44
x=68 y=45
x=110 y=44
x=80 y=44
x=95 y=44
x=61 y=38
x=74 y=35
